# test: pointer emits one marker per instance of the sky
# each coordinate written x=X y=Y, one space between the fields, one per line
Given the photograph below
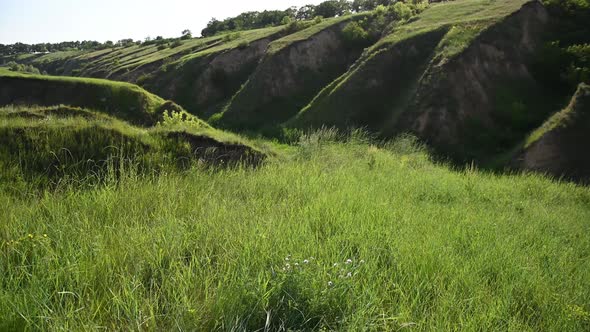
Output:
x=48 y=21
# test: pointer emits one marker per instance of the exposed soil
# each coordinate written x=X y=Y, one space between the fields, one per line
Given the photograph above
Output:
x=217 y=153
x=562 y=150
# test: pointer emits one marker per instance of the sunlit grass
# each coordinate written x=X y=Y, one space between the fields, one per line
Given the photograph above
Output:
x=429 y=248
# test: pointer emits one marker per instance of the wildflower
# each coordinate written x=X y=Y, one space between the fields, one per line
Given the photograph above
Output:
x=45 y=235
x=330 y=284
x=335 y=264
x=349 y=275
x=288 y=266
x=362 y=261
x=287 y=258
x=30 y=236
x=296 y=264
x=305 y=261
x=348 y=261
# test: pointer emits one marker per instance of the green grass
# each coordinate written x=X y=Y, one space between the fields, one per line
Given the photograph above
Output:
x=124 y=100
x=44 y=146
x=247 y=37
x=307 y=33
x=565 y=117
x=429 y=248
x=452 y=13
x=55 y=56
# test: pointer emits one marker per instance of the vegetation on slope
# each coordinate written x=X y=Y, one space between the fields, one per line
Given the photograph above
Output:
x=440 y=75
x=343 y=236
x=49 y=145
x=557 y=146
x=124 y=100
x=293 y=69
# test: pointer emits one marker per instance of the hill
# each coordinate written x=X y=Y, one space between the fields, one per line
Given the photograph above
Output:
x=124 y=100
x=557 y=147
x=88 y=133
x=471 y=78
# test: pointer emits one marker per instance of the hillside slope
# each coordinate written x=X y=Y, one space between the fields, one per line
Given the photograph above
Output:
x=292 y=71
x=123 y=100
x=436 y=76
x=559 y=146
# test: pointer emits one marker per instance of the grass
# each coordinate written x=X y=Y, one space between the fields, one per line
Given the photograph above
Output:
x=565 y=117
x=247 y=37
x=125 y=100
x=307 y=33
x=43 y=146
x=449 y=14
x=339 y=236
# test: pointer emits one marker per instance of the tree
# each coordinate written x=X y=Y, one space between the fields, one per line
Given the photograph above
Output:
x=328 y=8
x=186 y=34
x=305 y=13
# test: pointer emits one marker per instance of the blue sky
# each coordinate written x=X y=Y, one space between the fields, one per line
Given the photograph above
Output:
x=36 y=21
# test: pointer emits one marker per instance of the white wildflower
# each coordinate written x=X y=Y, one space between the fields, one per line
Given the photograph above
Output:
x=348 y=261
x=305 y=261
x=330 y=284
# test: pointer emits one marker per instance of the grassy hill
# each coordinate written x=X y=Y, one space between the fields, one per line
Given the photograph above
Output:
x=439 y=76
x=293 y=69
x=556 y=146
x=124 y=100
x=98 y=126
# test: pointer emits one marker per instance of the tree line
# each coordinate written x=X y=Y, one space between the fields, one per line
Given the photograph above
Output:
x=22 y=48
x=326 y=9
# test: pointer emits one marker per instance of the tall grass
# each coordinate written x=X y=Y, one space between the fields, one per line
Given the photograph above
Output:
x=341 y=236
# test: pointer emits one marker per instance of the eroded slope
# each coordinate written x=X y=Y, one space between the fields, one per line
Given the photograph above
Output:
x=559 y=147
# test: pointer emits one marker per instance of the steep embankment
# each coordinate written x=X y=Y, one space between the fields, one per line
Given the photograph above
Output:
x=559 y=147
x=200 y=74
x=123 y=100
x=292 y=71
x=437 y=75
x=203 y=81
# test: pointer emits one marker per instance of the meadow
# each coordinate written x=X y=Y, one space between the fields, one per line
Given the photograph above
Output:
x=331 y=234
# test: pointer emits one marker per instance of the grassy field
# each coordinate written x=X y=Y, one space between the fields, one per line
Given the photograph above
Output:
x=333 y=236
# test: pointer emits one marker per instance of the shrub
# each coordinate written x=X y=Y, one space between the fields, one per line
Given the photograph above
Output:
x=294 y=26
x=243 y=44
x=17 y=67
x=318 y=19
x=401 y=11
x=354 y=33
x=162 y=47
x=286 y=20
x=231 y=36
x=179 y=119
x=176 y=43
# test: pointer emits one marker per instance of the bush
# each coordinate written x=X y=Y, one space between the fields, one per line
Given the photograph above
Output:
x=318 y=19
x=176 y=43
x=231 y=36
x=354 y=34
x=294 y=26
x=243 y=44
x=162 y=47
x=17 y=67
x=401 y=11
